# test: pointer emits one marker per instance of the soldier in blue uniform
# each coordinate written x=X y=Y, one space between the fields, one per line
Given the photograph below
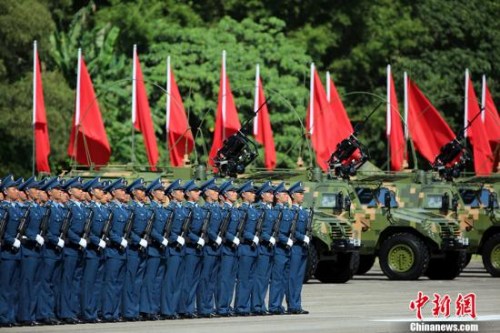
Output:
x=280 y=271
x=114 y=267
x=52 y=255
x=266 y=250
x=94 y=255
x=298 y=257
x=150 y=300
x=31 y=244
x=10 y=254
x=248 y=249
x=72 y=261
x=211 y=251
x=136 y=251
x=171 y=288
x=194 y=250
x=228 y=266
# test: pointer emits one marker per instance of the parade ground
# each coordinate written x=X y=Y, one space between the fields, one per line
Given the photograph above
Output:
x=369 y=303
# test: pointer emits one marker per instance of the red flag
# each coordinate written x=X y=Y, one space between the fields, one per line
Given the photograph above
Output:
x=483 y=156
x=226 y=120
x=42 y=144
x=262 y=125
x=491 y=121
x=428 y=130
x=180 y=138
x=319 y=120
x=141 y=113
x=88 y=143
x=395 y=136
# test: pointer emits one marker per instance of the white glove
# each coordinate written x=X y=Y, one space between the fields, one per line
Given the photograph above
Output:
x=17 y=243
x=143 y=243
x=181 y=240
x=39 y=239
x=201 y=241
x=306 y=239
x=289 y=242
x=124 y=243
x=83 y=243
x=102 y=244
x=236 y=241
x=164 y=242
x=272 y=240
x=256 y=240
x=218 y=240
x=60 y=243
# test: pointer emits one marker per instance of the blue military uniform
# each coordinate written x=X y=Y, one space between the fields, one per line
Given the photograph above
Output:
x=228 y=266
x=281 y=261
x=51 y=259
x=94 y=257
x=155 y=264
x=114 y=267
x=171 y=288
x=247 y=254
x=266 y=252
x=136 y=255
x=298 y=257
x=72 y=261
x=193 y=256
x=211 y=256
x=10 y=256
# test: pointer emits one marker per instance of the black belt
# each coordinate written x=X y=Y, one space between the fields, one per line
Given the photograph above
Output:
x=134 y=247
x=52 y=246
x=73 y=246
x=29 y=244
x=248 y=242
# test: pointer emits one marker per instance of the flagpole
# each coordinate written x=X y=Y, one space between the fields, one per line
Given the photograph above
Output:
x=328 y=98
x=34 y=108
x=388 y=119
x=167 y=108
x=406 y=107
x=256 y=102
x=223 y=95
x=466 y=101
x=483 y=99
x=134 y=97
x=311 y=102
x=77 y=106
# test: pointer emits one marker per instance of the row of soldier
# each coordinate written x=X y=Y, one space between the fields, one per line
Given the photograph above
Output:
x=75 y=252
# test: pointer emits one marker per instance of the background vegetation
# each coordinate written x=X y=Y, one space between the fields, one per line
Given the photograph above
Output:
x=434 y=40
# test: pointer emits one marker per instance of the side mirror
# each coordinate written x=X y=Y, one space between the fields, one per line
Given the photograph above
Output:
x=347 y=204
x=492 y=201
x=339 y=207
x=454 y=204
x=445 y=204
x=387 y=200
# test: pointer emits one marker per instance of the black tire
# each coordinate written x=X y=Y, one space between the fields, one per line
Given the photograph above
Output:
x=336 y=271
x=366 y=262
x=447 y=268
x=491 y=252
x=468 y=257
x=406 y=250
x=312 y=263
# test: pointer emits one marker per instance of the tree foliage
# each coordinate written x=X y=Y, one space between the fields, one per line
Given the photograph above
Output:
x=434 y=41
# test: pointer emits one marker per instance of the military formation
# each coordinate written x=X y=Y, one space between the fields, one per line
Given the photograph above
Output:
x=112 y=251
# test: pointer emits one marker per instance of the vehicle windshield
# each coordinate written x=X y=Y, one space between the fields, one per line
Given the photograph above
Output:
x=372 y=197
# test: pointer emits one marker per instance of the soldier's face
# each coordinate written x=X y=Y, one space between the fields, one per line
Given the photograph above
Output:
x=11 y=193
x=159 y=195
x=298 y=197
x=232 y=196
x=248 y=196
x=267 y=197
x=22 y=195
x=33 y=194
x=282 y=197
x=193 y=195
x=99 y=195
x=140 y=195
x=55 y=194
x=178 y=195
x=43 y=196
x=77 y=193
x=120 y=195
x=213 y=195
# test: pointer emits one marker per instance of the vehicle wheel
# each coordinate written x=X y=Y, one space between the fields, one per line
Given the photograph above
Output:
x=468 y=257
x=312 y=262
x=447 y=268
x=336 y=271
x=403 y=256
x=366 y=262
x=491 y=255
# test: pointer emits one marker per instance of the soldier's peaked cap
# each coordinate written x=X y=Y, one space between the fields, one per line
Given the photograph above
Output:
x=298 y=187
x=51 y=184
x=29 y=183
x=266 y=187
x=92 y=184
x=155 y=185
x=176 y=185
x=280 y=188
x=118 y=184
x=247 y=187
x=209 y=185
x=227 y=186
x=190 y=186
x=9 y=182
x=137 y=184
x=75 y=182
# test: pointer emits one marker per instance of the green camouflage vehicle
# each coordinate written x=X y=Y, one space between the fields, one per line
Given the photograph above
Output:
x=409 y=240
x=481 y=224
